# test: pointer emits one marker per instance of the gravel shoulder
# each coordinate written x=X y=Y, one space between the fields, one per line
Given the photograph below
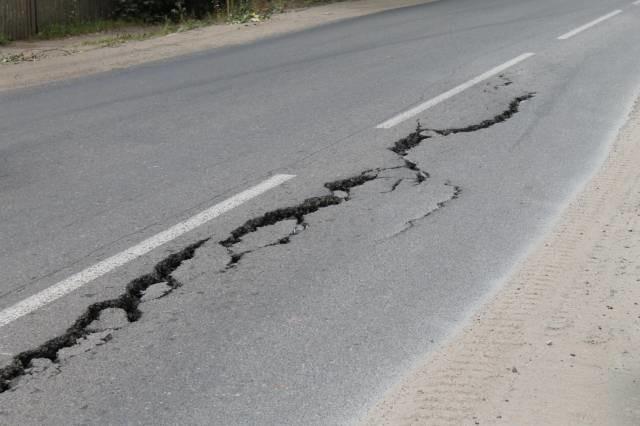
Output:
x=559 y=343
x=32 y=63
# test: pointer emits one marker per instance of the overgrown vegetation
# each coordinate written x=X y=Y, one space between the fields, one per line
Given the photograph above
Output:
x=4 y=40
x=78 y=28
x=236 y=11
x=162 y=17
x=154 y=11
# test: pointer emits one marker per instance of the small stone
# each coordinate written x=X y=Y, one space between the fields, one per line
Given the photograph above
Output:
x=341 y=194
x=549 y=343
x=514 y=370
x=39 y=364
x=155 y=291
x=299 y=228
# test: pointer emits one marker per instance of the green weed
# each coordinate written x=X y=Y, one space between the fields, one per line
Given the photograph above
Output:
x=4 y=40
x=78 y=28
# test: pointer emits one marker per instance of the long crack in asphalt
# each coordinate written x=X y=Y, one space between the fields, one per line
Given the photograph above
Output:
x=130 y=299
x=404 y=145
x=310 y=205
x=514 y=108
x=127 y=301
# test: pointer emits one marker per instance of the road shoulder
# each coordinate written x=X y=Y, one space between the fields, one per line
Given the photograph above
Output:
x=559 y=343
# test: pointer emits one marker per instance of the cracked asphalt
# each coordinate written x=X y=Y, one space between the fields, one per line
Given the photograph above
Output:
x=305 y=304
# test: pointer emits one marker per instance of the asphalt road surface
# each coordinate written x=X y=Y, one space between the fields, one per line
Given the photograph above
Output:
x=307 y=314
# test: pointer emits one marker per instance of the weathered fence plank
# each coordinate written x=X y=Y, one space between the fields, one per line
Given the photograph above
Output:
x=52 y=12
x=17 y=18
x=23 y=18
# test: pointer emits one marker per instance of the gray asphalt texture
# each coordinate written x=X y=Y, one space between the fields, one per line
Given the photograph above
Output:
x=313 y=331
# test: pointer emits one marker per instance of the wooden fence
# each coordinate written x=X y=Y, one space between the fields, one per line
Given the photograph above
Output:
x=21 y=19
x=17 y=18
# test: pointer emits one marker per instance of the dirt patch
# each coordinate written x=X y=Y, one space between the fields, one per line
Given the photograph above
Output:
x=559 y=344
x=32 y=63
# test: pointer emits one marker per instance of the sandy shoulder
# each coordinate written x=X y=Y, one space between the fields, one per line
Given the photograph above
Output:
x=68 y=58
x=559 y=344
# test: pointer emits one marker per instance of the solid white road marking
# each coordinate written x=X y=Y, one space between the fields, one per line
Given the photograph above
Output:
x=589 y=25
x=66 y=286
x=450 y=93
